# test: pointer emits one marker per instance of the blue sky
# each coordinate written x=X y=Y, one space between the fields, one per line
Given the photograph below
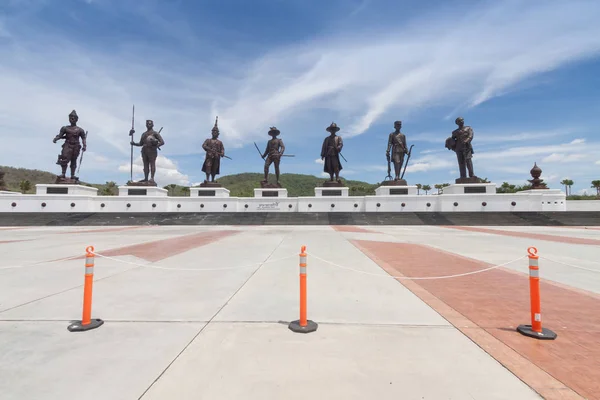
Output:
x=524 y=74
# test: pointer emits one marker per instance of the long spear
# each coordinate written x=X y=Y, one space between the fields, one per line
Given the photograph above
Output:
x=131 y=134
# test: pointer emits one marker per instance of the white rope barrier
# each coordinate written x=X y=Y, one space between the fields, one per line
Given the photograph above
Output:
x=574 y=266
x=417 y=278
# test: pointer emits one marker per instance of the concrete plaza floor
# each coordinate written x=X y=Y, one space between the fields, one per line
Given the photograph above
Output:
x=202 y=313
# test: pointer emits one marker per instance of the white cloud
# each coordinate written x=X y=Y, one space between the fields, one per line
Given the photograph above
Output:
x=578 y=141
x=166 y=171
x=597 y=162
x=564 y=158
x=319 y=161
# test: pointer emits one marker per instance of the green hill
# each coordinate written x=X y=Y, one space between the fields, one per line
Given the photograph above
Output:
x=240 y=185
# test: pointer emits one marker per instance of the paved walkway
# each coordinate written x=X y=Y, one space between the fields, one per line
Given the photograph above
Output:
x=202 y=313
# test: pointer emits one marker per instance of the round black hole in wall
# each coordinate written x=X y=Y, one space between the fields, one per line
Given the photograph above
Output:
x=455 y=204
x=245 y=205
x=128 y=205
x=289 y=206
x=403 y=204
x=43 y=204
x=332 y=205
x=556 y=202
x=102 y=205
x=310 y=205
x=154 y=205
x=355 y=205
x=514 y=203
x=224 y=205
x=378 y=204
x=428 y=204
x=484 y=204
x=14 y=204
x=201 y=205
x=178 y=205
x=72 y=204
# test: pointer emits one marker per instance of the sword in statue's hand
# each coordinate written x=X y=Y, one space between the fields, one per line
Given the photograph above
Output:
x=81 y=158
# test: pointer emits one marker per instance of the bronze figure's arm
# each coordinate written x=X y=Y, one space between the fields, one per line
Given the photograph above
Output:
x=83 y=139
x=469 y=135
x=340 y=144
x=61 y=135
x=221 y=149
x=282 y=147
x=404 y=144
x=263 y=155
x=390 y=143
x=161 y=141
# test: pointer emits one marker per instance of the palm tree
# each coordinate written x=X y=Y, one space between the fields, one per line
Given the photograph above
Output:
x=567 y=183
x=426 y=188
x=596 y=185
x=419 y=187
x=438 y=187
x=185 y=190
x=485 y=180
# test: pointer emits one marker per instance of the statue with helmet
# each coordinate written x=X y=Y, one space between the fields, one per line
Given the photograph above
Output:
x=71 y=149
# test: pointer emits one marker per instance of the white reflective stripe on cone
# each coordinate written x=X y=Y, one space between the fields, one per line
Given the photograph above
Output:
x=535 y=273
x=303 y=270
x=302 y=259
x=533 y=262
x=89 y=270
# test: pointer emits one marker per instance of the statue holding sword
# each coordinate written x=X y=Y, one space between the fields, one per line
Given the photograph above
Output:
x=272 y=155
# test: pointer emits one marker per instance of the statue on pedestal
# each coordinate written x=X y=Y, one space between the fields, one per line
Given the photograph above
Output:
x=460 y=143
x=272 y=155
x=214 y=151
x=70 y=149
x=330 y=153
x=396 y=149
x=150 y=142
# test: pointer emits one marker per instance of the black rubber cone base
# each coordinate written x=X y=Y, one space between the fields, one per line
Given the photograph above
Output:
x=546 y=334
x=311 y=326
x=77 y=327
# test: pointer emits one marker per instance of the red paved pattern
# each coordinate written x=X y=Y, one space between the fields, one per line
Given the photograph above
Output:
x=351 y=228
x=539 y=236
x=489 y=306
x=161 y=249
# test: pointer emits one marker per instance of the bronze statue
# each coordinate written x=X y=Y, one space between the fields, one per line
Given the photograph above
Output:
x=272 y=154
x=214 y=151
x=150 y=142
x=460 y=143
x=536 y=182
x=330 y=153
x=397 y=145
x=70 y=148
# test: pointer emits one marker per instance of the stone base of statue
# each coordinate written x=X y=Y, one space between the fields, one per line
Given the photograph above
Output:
x=209 y=191
x=65 y=189
x=332 y=184
x=206 y=184
x=60 y=180
x=268 y=185
x=399 y=182
x=537 y=184
x=141 y=190
x=470 y=188
x=396 y=190
x=271 y=192
x=472 y=179
x=333 y=190
x=148 y=183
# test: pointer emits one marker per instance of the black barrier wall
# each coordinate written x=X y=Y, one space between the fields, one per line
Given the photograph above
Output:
x=562 y=218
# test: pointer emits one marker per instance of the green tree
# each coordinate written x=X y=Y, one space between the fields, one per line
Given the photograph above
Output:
x=439 y=187
x=25 y=186
x=419 y=187
x=426 y=188
x=185 y=190
x=567 y=183
x=596 y=185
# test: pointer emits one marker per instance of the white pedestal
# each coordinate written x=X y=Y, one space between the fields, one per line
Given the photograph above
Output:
x=270 y=193
x=396 y=191
x=331 y=191
x=150 y=191
x=470 y=188
x=209 y=192
x=71 y=190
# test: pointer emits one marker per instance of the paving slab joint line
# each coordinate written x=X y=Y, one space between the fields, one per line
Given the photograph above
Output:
x=210 y=320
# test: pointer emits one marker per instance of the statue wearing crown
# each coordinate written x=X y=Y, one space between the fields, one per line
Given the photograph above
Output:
x=214 y=151
x=71 y=149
